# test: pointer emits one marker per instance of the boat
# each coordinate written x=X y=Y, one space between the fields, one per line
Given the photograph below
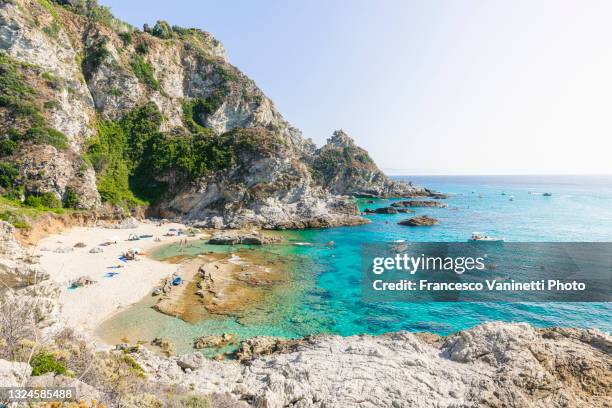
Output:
x=547 y=194
x=177 y=280
x=477 y=236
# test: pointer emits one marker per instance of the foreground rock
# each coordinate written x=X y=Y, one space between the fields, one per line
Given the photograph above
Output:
x=491 y=365
x=419 y=203
x=13 y=374
x=420 y=221
x=241 y=237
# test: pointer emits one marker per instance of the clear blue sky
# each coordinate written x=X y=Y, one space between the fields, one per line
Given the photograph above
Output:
x=466 y=87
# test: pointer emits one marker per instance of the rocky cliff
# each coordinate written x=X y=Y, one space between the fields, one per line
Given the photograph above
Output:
x=94 y=113
x=345 y=168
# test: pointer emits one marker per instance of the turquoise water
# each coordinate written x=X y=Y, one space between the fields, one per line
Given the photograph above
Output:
x=327 y=279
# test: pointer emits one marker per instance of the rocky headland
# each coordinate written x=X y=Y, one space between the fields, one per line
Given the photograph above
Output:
x=99 y=115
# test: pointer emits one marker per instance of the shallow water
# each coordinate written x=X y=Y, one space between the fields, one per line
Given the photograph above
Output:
x=326 y=292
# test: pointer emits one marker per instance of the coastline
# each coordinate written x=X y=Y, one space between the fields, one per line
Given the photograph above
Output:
x=86 y=307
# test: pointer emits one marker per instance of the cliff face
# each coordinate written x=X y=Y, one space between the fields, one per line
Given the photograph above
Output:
x=95 y=112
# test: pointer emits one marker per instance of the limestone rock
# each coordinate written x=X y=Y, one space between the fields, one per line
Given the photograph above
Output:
x=83 y=391
x=420 y=221
x=244 y=238
x=13 y=374
x=213 y=341
x=382 y=210
x=191 y=361
x=419 y=203
x=345 y=168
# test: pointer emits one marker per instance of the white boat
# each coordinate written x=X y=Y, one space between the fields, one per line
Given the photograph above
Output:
x=477 y=236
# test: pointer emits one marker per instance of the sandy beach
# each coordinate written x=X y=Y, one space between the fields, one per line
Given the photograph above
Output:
x=86 y=307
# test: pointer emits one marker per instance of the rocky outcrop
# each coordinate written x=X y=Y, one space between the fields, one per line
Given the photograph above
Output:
x=491 y=365
x=381 y=210
x=17 y=268
x=214 y=341
x=240 y=162
x=244 y=238
x=345 y=168
x=14 y=374
x=420 y=221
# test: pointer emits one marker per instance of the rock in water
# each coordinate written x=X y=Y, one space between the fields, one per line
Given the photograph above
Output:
x=420 y=221
x=382 y=210
x=238 y=237
x=419 y=203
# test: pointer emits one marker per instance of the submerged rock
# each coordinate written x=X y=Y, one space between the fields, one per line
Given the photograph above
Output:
x=420 y=221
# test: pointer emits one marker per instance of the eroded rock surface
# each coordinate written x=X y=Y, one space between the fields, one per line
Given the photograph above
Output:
x=491 y=365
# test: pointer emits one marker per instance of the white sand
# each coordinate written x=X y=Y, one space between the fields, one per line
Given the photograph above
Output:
x=87 y=307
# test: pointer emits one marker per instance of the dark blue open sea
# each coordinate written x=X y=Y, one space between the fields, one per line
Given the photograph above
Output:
x=326 y=294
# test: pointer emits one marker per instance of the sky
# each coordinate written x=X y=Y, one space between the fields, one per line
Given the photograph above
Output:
x=427 y=87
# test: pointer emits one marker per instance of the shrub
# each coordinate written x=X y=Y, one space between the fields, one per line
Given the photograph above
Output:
x=15 y=219
x=119 y=154
x=99 y=14
x=126 y=37
x=142 y=48
x=196 y=109
x=47 y=135
x=43 y=200
x=71 y=198
x=53 y=29
x=144 y=72
x=197 y=401
x=162 y=29
x=45 y=362
x=52 y=104
x=8 y=175
x=94 y=57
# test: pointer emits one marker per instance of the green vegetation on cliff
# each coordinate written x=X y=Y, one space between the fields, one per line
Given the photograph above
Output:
x=333 y=160
x=129 y=153
x=117 y=153
x=144 y=72
x=21 y=107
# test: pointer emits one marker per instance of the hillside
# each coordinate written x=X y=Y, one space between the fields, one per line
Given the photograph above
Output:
x=96 y=114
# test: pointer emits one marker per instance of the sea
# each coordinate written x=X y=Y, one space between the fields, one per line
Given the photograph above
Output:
x=324 y=295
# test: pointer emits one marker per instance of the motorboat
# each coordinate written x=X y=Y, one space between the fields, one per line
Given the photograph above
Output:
x=477 y=236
